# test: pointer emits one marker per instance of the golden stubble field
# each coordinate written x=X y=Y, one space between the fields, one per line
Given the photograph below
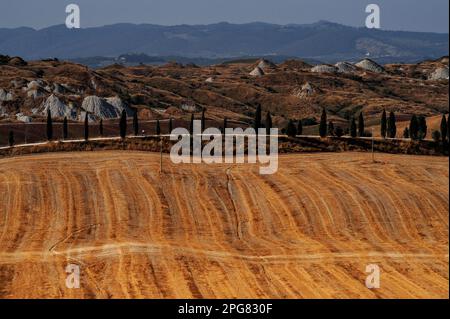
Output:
x=223 y=231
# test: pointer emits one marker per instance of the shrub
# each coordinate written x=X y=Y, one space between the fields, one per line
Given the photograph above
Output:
x=339 y=132
x=436 y=136
x=291 y=130
x=406 y=133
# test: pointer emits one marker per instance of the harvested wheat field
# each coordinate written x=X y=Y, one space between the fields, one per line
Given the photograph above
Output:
x=209 y=231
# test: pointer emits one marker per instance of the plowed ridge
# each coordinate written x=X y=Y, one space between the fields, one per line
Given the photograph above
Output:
x=223 y=231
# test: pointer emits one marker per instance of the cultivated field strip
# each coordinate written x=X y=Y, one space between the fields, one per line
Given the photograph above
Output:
x=207 y=231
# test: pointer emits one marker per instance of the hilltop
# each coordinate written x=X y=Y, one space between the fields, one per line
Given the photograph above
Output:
x=325 y=41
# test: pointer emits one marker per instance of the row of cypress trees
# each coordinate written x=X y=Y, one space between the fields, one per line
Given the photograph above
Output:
x=354 y=129
x=122 y=126
x=417 y=129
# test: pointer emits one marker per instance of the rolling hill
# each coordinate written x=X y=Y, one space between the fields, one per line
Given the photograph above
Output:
x=223 y=231
x=324 y=41
x=289 y=90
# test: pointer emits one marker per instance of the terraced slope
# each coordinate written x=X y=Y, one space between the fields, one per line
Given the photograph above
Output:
x=223 y=230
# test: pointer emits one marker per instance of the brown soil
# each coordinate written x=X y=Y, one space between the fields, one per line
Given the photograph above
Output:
x=223 y=231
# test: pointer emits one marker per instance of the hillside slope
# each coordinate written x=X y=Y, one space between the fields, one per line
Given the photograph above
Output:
x=223 y=231
x=290 y=90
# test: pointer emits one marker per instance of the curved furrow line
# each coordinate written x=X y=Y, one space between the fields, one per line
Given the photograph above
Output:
x=284 y=195
x=419 y=212
x=391 y=219
x=373 y=230
x=223 y=231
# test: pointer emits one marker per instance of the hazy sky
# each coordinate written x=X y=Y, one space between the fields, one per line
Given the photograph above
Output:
x=411 y=15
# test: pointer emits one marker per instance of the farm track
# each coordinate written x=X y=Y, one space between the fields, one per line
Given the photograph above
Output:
x=223 y=231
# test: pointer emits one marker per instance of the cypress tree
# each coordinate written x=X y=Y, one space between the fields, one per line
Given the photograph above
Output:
x=191 y=127
x=444 y=128
x=323 y=124
x=135 y=123
x=123 y=124
x=170 y=126
x=268 y=123
x=361 y=125
x=300 y=128
x=158 y=128
x=203 y=120
x=406 y=133
x=257 y=118
x=353 y=128
x=392 y=127
x=11 y=138
x=291 y=131
x=65 y=129
x=100 y=127
x=383 y=124
x=86 y=127
x=330 y=128
x=448 y=128
x=49 y=126
x=422 y=127
x=414 y=128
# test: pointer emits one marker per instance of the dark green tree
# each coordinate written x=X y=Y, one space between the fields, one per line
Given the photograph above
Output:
x=158 y=128
x=448 y=128
x=339 y=132
x=135 y=123
x=414 y=128
x=406 y=133
x=353 y=132
x=268 y=123
x=11 y=139
x=86 y=126
x=444 y=128
x=191 y=127
x=170 y=126
x=392 y=126
x=330 y=128
x=383 y=124
x=257 y=123
x=422 y=127
x=65 y=129
x=323 y=124
x=49 y=126
x=203 y=119
x=436 y=135
x=290 y=129
x=123 y=124
x=361 y=125
x=300 y=128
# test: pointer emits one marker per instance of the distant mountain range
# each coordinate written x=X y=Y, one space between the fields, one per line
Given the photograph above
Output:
x=323 y=41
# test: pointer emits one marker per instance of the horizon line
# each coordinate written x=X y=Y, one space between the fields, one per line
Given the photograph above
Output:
x=224 y=22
